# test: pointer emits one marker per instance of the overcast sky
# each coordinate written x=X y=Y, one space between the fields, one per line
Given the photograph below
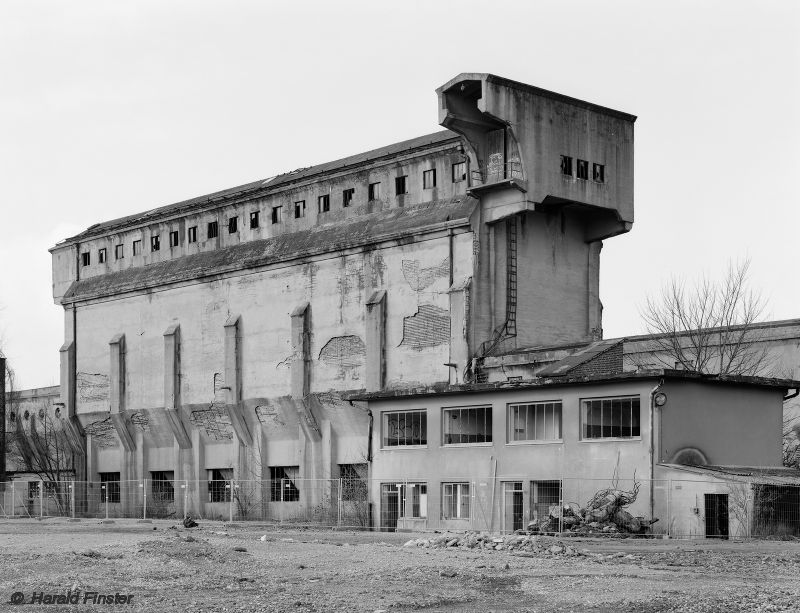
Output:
x=112 y=108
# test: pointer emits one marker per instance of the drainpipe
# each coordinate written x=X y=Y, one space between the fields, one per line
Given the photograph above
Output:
x=653 y=393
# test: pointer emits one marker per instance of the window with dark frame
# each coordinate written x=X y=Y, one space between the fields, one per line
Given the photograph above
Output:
x=400 y=185
x=566 y=165
x=324 y=203
x=455 y=500
x=86 y=258
x=583 y=169
x=598 y=173
x=467 y=425
x=213 y=229
x=192 y=234
x=137 y=247
x=459 y=172
x=429 y=179
x=402 y=428
x=353 y=480
x=109 y=487
x=276 y=214
x=219 y=484
x=374 y=191
x=233 y=225
x=610 y=417
x=254 y=219
x=537 y=421
x=174 y=238
x=155 y=243
x=119 y=252
x=347 y=196
x=162 y=485
x=299 y=209
x=282 y=487
x=101 y=255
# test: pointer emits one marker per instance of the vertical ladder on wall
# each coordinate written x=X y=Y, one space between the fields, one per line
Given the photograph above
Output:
x=511 y=276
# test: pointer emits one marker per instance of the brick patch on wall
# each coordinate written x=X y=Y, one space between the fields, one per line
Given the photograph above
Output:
x=103 y=433
x=420 y=278
x=92 y=387
x=428 y=327
x=344 y=352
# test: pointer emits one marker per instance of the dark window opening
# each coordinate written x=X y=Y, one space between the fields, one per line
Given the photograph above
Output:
x=137 y=247
x=353 y=479
x=374 y=191
x=583 y=169
x=174 y=238
x=163 y=485
x=282 y=487
x=566 y=165
x=86 y=258
x=155 y=243
x=324 y=203
x=119 y=252
x=610 y=418
x=109 y=487
x=299 y=209
x=544 y=494
x=233 y=225
x=101 y=256
x=459 y=172
x=253 y=220
x=219 y=484
x=599 y=173
x=429 y=179
x=469 y=425
x=213 y=229
x=347 y=196
x=400 y=186
x=193 y=234
x=276 y=214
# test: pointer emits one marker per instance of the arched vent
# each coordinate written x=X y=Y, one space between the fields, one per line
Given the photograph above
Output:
x=689 y=456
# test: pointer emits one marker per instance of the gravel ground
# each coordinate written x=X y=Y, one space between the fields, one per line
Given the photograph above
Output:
x=222 y=567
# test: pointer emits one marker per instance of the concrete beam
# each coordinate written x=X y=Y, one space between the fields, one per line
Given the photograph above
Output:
x=375 y=336
x=172 y=385
x=117 y=391
x=301 y=358
x=233 y=381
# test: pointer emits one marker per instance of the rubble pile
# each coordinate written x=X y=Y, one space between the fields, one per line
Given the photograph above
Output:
x=481 y=540
x=605 y=513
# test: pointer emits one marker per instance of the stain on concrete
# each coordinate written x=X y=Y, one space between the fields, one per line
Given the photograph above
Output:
x=344 y=352
x=269 y=416
x=428 y=327
x=141 y=420
x=214 y=420
x=92 y=387
x=420 y=278
x=103 y=433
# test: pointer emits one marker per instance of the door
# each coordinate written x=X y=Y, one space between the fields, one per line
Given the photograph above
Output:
x=716 y=516
x=512 y=506
x=390 y=506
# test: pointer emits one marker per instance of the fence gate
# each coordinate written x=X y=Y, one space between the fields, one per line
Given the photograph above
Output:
x=716 y=515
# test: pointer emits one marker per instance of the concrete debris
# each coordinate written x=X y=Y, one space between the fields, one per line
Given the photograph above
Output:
x=188 y=522
x=480 y=540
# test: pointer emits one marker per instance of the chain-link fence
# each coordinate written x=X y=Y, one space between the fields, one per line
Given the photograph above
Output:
x=578 y=507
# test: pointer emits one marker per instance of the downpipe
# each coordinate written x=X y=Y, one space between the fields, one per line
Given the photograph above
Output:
x=653 y=393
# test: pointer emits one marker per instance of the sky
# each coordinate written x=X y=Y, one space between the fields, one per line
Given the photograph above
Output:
x=113 y=108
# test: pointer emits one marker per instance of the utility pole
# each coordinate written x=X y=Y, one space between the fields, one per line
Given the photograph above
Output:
x=2 y=422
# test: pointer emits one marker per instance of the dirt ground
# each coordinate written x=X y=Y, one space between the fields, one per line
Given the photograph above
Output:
x=221 y=567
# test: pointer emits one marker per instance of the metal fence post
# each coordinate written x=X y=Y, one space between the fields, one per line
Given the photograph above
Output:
x=41 y=498
x=339 y=504
x=669 y=509
x=144 y=499
x=13 y=497
x=185 y=487
x=231 y=507
x=72 y=498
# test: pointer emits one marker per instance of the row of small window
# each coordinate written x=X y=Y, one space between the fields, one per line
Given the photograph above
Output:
x=323 y=206
x=410 y=500
x=539 y=421
x=582 y=169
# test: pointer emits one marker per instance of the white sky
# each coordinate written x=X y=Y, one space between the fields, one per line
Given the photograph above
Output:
x=111 y=108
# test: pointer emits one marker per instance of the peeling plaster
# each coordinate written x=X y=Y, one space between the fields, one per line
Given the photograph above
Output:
x=420 y=278
x=428 y=327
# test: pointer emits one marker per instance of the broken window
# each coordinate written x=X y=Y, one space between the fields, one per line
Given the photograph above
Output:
x=101 y=255
x=253 y=220
x=347 y=196
x=192 y=234
x=429 y=179
x=374 y=191
x=276 y=214
x=119 y=252
x=174 y=238
x=469 y=425
x=459 y=172
x=610 y=417
x=455 y=500
x=86 y=258
x=583 y=169
x=400 y=186
x=213 y=229
x=282 y=487
x=401 y=428
x=155 y=243
x=324 y=203
x=353 y=479
x=137 y=247
x=544 y=494
x=599 y=173
x=299 y=209
x=219 y=484
x=109 y=487
x=163 y=485
x=566 y=165
x=540 y=421
x=233 y=225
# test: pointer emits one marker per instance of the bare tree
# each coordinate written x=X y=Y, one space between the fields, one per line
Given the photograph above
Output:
x=791 y=441
x=709 y=327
